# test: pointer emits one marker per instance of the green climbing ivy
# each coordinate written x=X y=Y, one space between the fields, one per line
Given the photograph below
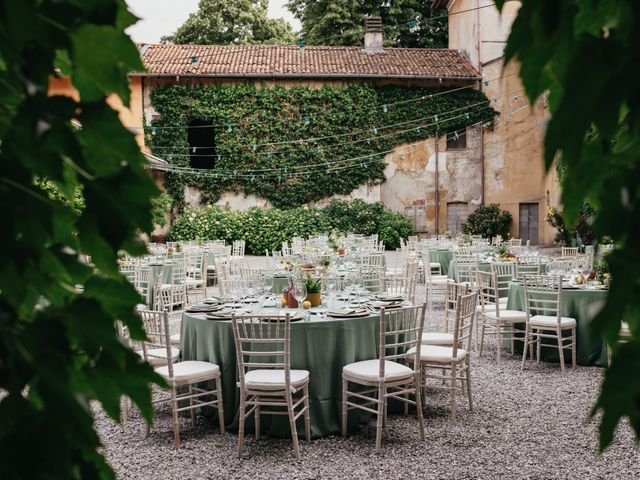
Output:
x=260 y=116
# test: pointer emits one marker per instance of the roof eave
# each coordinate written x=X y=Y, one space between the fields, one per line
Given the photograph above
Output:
x=378 y=76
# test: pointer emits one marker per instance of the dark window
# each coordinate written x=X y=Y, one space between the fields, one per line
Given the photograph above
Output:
x=202 y=144
x=459 y=143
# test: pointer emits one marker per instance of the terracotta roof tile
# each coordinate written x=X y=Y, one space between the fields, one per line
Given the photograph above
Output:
x=290 y=61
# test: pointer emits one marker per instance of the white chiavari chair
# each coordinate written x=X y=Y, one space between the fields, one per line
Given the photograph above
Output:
x=452 y=363
x=543 y=300
x=496 y=318
x=388 y=376
x=263 y=349
x=188 y=375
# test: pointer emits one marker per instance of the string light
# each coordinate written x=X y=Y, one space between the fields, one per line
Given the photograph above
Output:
x=194 y=58
x=309 y=169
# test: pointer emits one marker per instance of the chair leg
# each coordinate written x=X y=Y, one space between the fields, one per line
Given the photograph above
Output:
x=124 y=408
x=345 y=385
x=174 y=415
x=416 y=383
x=220 y=404
x=498 y=341
x=560 y=349
x=292 y=425
x=538 y=349
x=482 y=336
x=468 y=377
x=307 y=414
x=382 y=394
x=573 y=347
x=526 y=345
x=241 y=423
x=192 y=410
x=256 y=416
x=453 y=388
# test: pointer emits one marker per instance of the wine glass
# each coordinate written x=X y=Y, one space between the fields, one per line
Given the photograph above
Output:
x=332 y=281
x=300 y=293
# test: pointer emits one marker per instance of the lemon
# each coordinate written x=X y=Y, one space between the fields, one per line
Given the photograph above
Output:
x=306 y=305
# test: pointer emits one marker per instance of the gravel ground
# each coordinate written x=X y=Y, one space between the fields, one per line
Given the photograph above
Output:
x=532 y=424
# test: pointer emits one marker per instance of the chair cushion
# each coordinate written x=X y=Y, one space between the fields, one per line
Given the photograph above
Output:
x=503 y=300
x=439 y=279
x=192 y=281
x=191 y=371
x=175 y=338
x=267 y=379
x=507 y=315
x=437 y=338
x=550 y=321
x=438 y=354
x=369 y=370
x=435 y=264
x=158 y=356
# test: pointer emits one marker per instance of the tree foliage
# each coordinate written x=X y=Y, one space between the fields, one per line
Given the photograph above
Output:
x=579 y=233
x=406 y=23
x=585 y=54
x=59 y=348
x=223 y=22
x=488 y=221
x=266 y=117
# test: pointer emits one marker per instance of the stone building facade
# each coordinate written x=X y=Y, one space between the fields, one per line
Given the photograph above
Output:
x=438 y=183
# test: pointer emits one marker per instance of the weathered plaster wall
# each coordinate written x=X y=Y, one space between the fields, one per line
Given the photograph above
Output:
x=514 y=167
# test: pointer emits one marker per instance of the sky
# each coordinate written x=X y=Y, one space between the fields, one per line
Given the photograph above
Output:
x=162 y=17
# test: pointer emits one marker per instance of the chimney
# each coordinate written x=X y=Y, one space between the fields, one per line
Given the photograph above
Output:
x=373 y=34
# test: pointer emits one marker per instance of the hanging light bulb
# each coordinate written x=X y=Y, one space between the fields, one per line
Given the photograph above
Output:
x=153 y=131
x=229 y=127
x=194 y=58
x=384 y=108
x=301 y=45
x=307 y=119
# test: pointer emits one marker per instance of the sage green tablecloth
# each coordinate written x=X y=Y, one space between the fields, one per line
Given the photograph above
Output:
x=580 y=304
x=321 y=346
x=443 y=257
x=452 y=272
x=154 y=271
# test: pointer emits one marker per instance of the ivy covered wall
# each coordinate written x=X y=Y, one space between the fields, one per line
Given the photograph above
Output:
x=251 y=158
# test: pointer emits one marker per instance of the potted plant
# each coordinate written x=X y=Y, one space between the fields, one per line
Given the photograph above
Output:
x=314 y=287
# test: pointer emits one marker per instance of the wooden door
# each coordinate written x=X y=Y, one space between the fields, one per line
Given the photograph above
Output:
x=529 y=218
x=457 y=213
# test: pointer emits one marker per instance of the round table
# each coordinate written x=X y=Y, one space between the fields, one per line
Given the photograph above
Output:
x=581 y=304
x=322 y=346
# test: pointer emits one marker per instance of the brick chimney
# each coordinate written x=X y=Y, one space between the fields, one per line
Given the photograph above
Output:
x=373 y=34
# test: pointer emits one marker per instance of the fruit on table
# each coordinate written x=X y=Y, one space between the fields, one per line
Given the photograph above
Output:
x=306 y=305
x=580 y=280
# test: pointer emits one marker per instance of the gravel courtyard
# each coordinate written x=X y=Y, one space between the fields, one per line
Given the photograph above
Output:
x=532 y=424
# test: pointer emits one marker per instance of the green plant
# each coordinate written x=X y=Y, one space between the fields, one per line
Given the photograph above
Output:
x=406 y=23
x=266 y=228
x=488 y=221
x=579 y=233
x=160 y=209
x=223 y=22
x=502 y=250
x=314 y=285
x=67 y=193
x=595 y=125
x=299 y=172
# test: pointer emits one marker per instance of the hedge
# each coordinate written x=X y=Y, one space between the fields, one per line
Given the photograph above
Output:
x=267 y=228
